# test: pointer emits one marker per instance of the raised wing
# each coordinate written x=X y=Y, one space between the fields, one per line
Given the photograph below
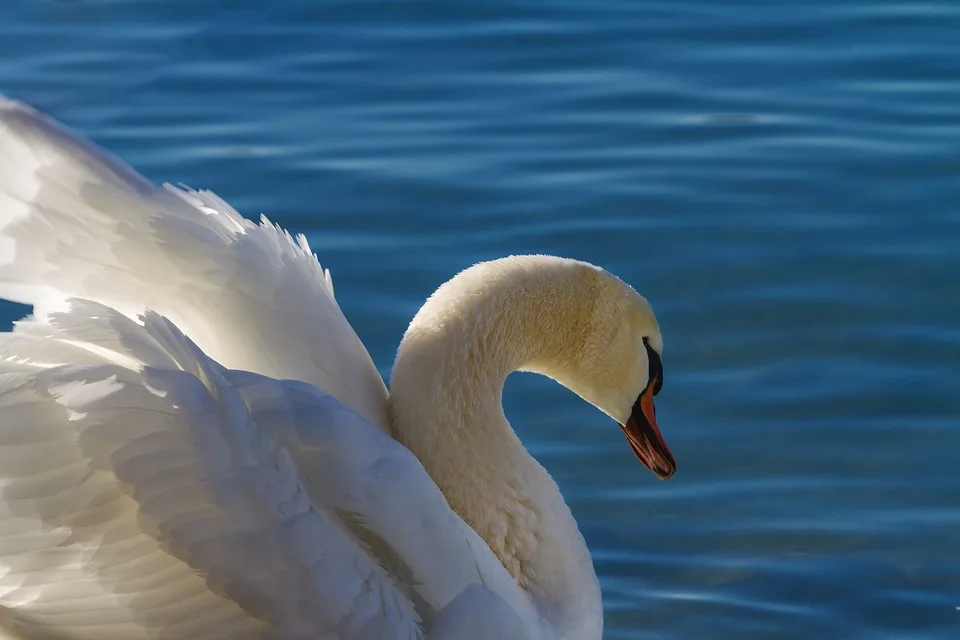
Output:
x=147 y=492
x=77 y=222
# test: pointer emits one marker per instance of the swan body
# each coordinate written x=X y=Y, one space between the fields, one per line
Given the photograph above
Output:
x=194 y=443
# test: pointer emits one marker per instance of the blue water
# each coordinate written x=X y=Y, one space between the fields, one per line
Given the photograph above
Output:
x=781 y=180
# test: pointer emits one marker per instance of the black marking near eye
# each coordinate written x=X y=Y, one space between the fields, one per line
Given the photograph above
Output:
x=656 y=367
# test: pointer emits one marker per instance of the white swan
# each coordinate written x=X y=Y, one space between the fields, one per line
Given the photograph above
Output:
x=195 y=444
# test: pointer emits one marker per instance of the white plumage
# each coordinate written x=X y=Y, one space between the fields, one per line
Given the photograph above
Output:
x=76 y=221
x=194 y=443
x=160 y=497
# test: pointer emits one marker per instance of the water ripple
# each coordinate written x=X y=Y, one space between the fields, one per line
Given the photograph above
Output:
x=781 y=180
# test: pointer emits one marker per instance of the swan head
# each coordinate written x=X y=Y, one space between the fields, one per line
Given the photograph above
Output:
x=566 y=319
x=617 y=366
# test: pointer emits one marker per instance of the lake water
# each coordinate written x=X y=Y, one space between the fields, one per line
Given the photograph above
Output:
x=781 y=180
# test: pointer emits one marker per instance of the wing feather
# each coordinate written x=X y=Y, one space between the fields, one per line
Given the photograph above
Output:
x=146 y=503
x=385 y=495
x=77 y=222
x=151 y=489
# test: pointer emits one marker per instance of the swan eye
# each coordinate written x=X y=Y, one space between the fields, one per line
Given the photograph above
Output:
x=656 y=366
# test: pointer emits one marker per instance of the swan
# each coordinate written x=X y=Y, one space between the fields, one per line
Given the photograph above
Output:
x=194 y=443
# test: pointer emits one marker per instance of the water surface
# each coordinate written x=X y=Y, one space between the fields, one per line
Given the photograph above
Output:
x=781 y=180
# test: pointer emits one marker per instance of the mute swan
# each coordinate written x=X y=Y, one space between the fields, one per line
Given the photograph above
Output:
x=194 y=443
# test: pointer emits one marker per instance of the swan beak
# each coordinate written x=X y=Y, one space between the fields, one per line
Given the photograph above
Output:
x=644 y=436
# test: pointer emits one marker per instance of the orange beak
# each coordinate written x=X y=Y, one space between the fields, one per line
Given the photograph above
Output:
x=644 y=435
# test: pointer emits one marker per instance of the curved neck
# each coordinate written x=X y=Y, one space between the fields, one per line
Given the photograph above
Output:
x=446 y=408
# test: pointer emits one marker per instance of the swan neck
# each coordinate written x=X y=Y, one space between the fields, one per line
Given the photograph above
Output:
x=446 y=407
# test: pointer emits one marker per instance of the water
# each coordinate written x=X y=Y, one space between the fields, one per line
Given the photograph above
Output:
x=781 y=180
